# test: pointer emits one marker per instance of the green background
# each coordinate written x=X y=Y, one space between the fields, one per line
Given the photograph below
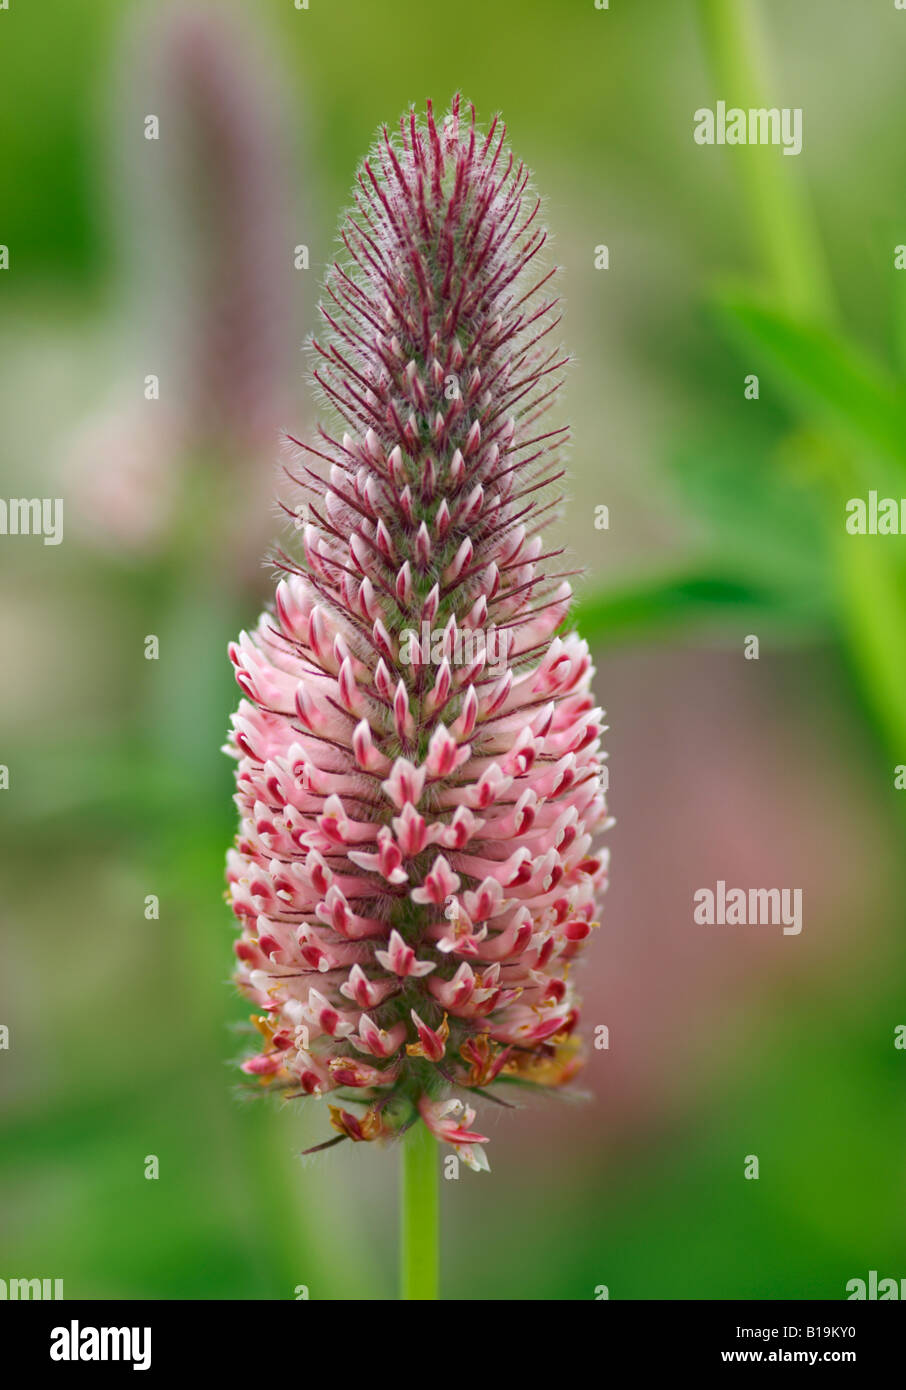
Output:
x=726 y=520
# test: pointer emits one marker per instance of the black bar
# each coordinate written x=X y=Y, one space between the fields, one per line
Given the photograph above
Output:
x=265 y=1339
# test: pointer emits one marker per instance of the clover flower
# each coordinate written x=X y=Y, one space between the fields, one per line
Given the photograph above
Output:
x=419 y=760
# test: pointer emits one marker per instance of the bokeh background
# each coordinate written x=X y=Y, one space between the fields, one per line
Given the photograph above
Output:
x=175 y=257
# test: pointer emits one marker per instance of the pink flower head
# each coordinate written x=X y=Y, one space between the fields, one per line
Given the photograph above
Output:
x=419 y=766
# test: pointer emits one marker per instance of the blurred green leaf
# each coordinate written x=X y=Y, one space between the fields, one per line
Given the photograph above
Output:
x=760 y=511
x=675 y=601
x=825 y=377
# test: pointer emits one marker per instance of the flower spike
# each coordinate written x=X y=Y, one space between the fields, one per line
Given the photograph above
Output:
x=419 y=764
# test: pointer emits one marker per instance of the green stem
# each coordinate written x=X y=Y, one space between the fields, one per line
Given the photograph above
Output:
x=419 y=1215
x=873 y=615
x=870 y=599
x=778 y=213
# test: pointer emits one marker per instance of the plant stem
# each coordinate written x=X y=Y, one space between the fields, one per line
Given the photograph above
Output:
x=870 y=599
x=871 y=595
x=777 y=211
x=871 y=604
x=419 y=1215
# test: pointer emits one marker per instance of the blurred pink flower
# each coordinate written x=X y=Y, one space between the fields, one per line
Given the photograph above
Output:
x=209 y=291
